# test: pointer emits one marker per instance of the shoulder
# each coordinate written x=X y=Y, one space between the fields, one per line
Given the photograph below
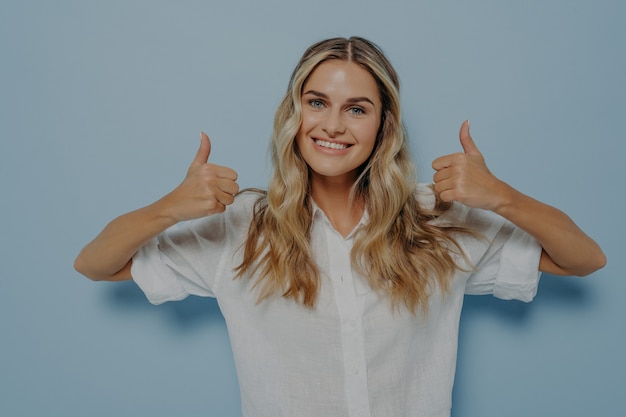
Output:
x=425 y=196
x=247 y=198
x=234 y=221
x=455 y=214
x=427 y=201
x=241 y=212
x=243 y=208
x=215 y=234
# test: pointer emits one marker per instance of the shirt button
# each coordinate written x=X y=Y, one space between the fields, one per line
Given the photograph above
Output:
x=355 y=370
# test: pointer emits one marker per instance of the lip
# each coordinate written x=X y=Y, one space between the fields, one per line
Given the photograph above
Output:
x=331 y=141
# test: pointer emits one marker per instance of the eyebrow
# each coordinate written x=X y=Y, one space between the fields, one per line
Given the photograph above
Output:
x=350 y=100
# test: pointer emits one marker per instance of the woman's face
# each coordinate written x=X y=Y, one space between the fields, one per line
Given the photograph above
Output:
x=341 y=113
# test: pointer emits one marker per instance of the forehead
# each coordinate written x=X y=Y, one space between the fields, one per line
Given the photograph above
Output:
x=342 y=78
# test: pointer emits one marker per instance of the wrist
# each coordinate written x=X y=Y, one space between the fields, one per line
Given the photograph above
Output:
x=164 y=212
x=506 y=198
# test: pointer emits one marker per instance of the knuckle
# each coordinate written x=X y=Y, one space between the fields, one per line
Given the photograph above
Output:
x=211 y=205
x=445 y=196
x=460 y=158
x=215 y=207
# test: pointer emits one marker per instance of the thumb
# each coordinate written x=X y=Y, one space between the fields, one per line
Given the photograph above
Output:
x=202 y=156
x=466 y=140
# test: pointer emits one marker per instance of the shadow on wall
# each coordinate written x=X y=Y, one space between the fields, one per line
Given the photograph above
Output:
x=188 y=314
x=554 y=293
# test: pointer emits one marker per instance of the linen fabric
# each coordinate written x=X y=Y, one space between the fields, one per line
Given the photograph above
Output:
x=352 y=355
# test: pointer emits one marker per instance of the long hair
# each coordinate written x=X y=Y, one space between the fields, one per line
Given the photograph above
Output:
x=400 y=251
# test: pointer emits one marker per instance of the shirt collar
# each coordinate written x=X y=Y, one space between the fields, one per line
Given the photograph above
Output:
x=318 y=214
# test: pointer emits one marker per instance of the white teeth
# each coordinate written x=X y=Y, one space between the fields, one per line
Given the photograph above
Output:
x=330 y=145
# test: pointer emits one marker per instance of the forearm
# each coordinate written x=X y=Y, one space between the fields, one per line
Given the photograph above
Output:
x=566 y=245
x=108 y=256
x=207 y=189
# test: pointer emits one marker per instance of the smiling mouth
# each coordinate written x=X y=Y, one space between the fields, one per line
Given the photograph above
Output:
x=330 y=145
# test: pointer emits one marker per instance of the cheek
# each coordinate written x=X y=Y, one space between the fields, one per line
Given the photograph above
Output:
x=307 y=123
x=301 y=137
x=368 y=132
x=301 y=130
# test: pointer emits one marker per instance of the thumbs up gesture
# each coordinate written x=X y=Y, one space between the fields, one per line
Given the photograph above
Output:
x=207 y=188
x=465 y=178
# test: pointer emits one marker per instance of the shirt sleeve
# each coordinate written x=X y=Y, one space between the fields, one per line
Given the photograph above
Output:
x=192 y=258
x=509 y=267
x=504 y=259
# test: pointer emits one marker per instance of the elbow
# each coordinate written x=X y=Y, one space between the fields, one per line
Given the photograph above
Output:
x=583 y=267
x=601 y=261
x=82 y=268
x=91 y=271
x=595 y=262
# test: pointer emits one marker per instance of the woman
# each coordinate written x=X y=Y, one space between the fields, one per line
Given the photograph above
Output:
x=342 y=285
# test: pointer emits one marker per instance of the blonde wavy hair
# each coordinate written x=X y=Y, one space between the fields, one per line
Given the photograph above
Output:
x=399 y=251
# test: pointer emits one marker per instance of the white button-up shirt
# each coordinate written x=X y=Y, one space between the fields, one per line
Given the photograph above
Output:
x=351 y=355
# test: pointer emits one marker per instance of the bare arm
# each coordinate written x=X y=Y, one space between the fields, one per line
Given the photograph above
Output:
x=464 y=177
x=567 y=250
x=207 y=189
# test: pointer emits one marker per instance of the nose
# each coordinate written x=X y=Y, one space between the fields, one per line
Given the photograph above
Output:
x=333 y=124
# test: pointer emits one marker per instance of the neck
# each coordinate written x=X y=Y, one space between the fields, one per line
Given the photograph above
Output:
x=333 y=197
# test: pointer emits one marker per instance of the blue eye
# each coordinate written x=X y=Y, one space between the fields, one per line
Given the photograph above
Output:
x=317 y=104
x=357 y=111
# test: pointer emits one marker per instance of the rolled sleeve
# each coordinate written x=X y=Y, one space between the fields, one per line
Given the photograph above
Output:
x=158 y=282
x=518 y=273
x=191 y=258
x=509 y=268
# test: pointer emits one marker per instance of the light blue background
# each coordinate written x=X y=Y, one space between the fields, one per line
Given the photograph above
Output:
x=101 y=105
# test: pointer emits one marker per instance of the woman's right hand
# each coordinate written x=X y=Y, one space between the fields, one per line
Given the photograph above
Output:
x=207 y=189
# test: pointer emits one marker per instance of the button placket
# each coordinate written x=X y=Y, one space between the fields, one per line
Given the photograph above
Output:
x=355 y=375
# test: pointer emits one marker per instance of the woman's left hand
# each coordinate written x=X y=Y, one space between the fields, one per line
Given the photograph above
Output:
x=464 y=177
